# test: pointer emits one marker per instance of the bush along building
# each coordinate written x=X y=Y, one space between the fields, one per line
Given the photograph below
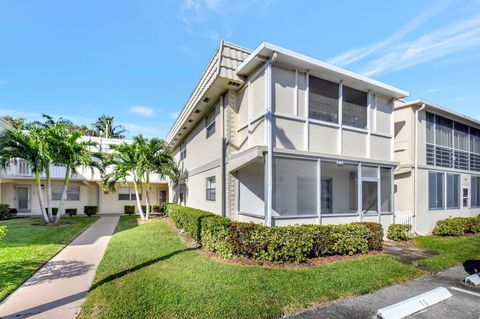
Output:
x=279 y=138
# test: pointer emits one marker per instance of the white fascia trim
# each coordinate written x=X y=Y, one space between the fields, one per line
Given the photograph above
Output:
x=398 y=93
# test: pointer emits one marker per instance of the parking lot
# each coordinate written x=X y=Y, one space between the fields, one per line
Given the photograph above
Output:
x=464 y=303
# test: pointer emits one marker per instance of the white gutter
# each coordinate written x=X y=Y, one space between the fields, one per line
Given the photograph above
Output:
x=415 y=204
x=268 y=117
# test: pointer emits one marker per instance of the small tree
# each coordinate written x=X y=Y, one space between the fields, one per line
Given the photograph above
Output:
x=104 y=127
x=29 y=145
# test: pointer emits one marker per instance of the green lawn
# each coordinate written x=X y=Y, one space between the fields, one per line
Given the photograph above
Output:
x=148 y=272
x=26 y=247
x=453 y=250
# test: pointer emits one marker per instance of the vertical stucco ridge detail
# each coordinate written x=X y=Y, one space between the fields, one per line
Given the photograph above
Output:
x=230 y=148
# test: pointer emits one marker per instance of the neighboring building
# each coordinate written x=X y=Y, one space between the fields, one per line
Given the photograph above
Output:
x=276 y=137
x=18 y=189
x=439 y=154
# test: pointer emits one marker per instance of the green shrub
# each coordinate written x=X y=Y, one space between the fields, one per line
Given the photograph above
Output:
x=90 y=210
x=71 y=212
x=214 y=234
x=375 y=241
x=398 y=232
x=475 y=225
x=6 y=212
x=3 y=231
x=188 y=219
x=449 y=227
x=239 y=239
x=349 y=239
x=129 y=209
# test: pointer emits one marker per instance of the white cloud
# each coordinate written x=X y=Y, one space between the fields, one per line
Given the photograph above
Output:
x=458 y=36
x=3 y=82
x=143 y=110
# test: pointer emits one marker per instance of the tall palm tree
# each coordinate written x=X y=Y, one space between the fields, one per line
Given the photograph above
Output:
x=104 y=127
x=73 y=154
x=123 y=165
x=30 y=146
x=156 y=159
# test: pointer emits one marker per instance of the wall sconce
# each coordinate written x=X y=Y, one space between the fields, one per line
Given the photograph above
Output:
x=42 y=186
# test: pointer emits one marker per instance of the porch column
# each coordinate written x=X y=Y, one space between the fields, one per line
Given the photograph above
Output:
x=269 y=139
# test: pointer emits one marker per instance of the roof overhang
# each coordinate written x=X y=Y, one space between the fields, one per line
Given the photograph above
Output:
x=440 y=110
x=323 y=69
x=242 y=159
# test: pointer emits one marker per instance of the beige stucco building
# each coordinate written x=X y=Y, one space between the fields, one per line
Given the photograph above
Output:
x=276 y=137
x=439 y=154
x=18 y=189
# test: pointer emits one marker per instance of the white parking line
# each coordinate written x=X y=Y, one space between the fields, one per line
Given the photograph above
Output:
x=466 y=291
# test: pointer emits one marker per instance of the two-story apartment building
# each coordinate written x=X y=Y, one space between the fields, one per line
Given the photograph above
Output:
x=276 y=137
x=18 y=189
x=439 y=154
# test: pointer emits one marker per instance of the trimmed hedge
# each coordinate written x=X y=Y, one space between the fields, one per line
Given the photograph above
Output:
x=398 y=232
x=287 y=243
x=457 y=226
x=6 y=212
x=129 y=209
x=71 y=212
x=90 y=210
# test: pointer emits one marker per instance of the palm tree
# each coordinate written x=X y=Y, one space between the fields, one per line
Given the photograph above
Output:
x=156 y=159
x=73 y=154
x=30 y=146
x=138 y=161
x=104 y=127
x=122 y=165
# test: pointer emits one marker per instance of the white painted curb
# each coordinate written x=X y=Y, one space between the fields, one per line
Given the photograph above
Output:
x=410 y=306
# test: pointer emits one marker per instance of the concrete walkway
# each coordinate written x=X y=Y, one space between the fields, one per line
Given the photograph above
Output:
x=58 y=289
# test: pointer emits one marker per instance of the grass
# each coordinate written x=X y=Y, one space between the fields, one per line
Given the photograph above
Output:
x=453 y=250
x=27 y=247
x=148 y=272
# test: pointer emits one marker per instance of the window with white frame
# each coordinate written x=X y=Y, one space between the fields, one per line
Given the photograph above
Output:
x=369 y=189
x=323 y=100
x=354 y=108
x=341 y=194
x=183 y=150
x=327 y=195
x=453 y=191
x=211 y=188
x=436 y=190
x=128 y=193
x=475 y=191
x=210 y=123
x=386 y=189
x=73 y=193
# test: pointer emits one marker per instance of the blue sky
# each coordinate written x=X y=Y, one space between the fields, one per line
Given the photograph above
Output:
x=140 y=59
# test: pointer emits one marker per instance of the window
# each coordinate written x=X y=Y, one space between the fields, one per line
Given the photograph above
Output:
x=327 y=196
x=386 y=191
x=453 y=191
x=354 y=112
x=211 y=188
x=435 y=190
x=73 y=192
x=128 y=193
x=339 y=188
x=210 y=123
x=183 y=150
x=323 y=100
x=475 y=200
x=369 y=196
x=295 y=187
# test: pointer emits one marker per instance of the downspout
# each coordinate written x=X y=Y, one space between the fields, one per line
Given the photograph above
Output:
x=224 y=154
x=415 y=204
x=268 y=100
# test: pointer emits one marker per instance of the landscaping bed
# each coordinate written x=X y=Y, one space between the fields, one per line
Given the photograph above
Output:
x=149 y=272
x=26 y=247
x=275 y=244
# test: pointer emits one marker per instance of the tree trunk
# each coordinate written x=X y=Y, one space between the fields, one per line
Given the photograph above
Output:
x=139 y=204
x=40 y=197
x=64 y=195
x=147 y=201
x=49 y=194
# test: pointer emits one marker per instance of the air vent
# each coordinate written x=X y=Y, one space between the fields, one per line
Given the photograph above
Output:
x=190 y=121
x=234 y=84
x=197 y=111
x=184 y=127
x=206 y=100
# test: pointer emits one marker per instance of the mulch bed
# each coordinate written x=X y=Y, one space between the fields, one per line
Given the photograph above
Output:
x=267 y=264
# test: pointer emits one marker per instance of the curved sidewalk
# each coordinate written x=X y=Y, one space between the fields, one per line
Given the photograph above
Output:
x=58 y=289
